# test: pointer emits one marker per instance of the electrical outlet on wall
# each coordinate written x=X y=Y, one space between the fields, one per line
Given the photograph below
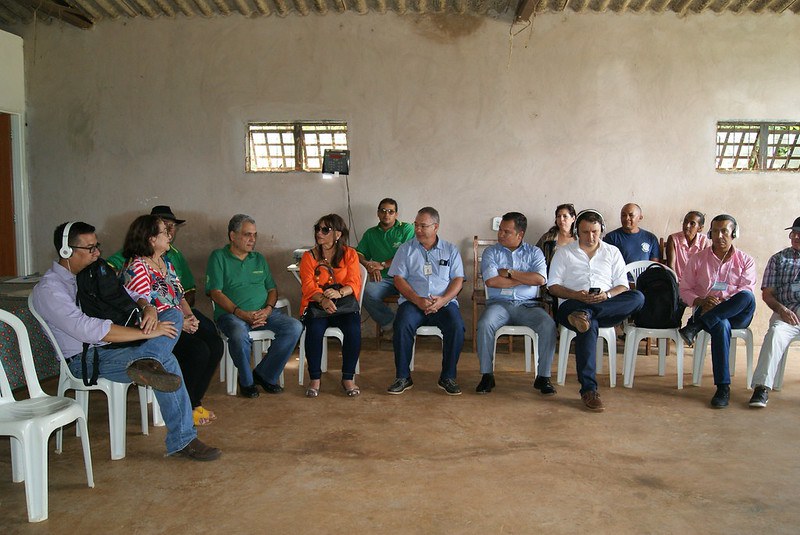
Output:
x=496 y=223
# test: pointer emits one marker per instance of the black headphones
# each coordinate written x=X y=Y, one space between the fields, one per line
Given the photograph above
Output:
x=66 y=250
x=580 y=216
x=725 y=217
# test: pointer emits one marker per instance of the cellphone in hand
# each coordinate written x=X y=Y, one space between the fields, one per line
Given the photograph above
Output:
x=594 y=290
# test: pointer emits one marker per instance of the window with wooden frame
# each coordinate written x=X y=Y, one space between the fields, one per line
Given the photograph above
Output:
x=278 y=147
x=758 y=146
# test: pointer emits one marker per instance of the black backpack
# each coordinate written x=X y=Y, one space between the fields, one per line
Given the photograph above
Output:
x=102 y=295
x=662 y=305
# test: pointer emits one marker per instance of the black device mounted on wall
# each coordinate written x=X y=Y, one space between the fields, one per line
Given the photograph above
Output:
x=336 y=162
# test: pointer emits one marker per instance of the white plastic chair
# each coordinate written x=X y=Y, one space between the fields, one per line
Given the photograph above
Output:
x=262 y=339
x=425 y=330
x=635 y=334
x=116 y=394
x=330 y=332
x=635 y=269
x=30 y=422
x=603 y=333
x=531 y=339
x=703 y=339
x=778 y=383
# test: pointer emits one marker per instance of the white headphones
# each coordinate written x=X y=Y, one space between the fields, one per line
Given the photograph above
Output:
x=66 y=250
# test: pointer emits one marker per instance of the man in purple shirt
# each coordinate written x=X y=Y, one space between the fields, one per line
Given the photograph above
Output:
x=719 y=282
x=150 y=363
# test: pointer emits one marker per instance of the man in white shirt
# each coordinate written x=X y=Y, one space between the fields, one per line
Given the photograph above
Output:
x=589 y=276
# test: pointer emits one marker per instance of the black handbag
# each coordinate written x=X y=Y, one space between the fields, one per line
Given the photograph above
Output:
x=344 y=305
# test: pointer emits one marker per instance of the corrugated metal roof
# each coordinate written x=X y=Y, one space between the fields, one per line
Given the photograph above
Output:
x=86 y=13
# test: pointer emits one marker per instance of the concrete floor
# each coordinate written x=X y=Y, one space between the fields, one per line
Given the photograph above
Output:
x=658 y=460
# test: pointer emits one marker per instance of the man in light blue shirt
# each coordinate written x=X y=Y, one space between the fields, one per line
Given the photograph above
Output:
x=513 y=271
x=428 y=273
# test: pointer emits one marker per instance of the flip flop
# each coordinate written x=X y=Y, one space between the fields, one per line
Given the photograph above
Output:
x=199 y=419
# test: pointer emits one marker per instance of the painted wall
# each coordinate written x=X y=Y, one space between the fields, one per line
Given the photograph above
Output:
x=597 y=110
x=12 y=78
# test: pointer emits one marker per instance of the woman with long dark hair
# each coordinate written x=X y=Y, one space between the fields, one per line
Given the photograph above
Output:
x=329 y=272
x=149 y=273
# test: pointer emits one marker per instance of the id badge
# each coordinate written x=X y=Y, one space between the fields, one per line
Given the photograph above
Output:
x=427 y=269
x=507 y=291
x=719 y=286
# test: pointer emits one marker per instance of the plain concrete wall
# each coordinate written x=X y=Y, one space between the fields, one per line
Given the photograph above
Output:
x=12 y=77
x=597 y=110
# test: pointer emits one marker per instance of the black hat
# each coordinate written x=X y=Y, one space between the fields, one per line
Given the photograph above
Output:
x=165 y=212
x=795 y=226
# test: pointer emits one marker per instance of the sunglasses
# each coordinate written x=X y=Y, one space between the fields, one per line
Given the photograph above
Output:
x=324 y=230
x=386 y=211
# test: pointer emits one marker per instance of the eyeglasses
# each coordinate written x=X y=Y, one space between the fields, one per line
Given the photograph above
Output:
x=422 y=225
x=386 y=211
x=91 y=248
x=324 y=230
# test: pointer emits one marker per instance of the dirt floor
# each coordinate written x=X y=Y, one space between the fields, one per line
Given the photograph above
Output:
x=658 y=460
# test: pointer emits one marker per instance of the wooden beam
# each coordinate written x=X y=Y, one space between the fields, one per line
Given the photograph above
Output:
x=525 y=10
x=57 y=11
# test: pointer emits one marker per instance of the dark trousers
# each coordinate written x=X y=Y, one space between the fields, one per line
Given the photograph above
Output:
x=734 y=313
x=198 y=355
x=409 y=317
x=605 y=314
x=350 y=325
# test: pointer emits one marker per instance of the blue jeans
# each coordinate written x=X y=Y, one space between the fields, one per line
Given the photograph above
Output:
x=406 y=322
x=499 y=313
x=733 y=313
x=287 y=332
x=374 y=293
x=350 y=324
x=605 y=314
x=175 y=406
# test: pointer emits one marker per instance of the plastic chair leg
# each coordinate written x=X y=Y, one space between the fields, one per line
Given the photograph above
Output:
x=117 y=414
x=231 y=375
x=301 y=364
x=662 y=356
x=17 y=460
x=749 y=376
x=87 y=452
x=35 y=454
x=563 y=354
x=528 y=344
x=144 y=394
x=158 y=420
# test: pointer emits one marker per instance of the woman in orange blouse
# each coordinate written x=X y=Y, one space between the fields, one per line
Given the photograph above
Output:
x=331 y=261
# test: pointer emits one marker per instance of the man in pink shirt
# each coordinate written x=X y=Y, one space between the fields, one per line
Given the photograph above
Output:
x=719 y=282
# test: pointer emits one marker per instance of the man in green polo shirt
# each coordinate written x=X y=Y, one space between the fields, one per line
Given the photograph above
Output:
x=239 y=282
x=375 y=252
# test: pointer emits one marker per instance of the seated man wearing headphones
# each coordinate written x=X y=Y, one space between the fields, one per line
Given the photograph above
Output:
x=149 y=363
x=719 y=282
x=589 y=276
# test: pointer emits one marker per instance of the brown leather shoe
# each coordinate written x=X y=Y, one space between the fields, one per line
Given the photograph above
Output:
x=150 y=372
x=579 y=320
x=198 y=451
x=592 y=401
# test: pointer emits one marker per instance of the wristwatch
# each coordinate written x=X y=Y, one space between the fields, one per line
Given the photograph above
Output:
x=508 y=273
x=608 y=295
x=383 y=265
